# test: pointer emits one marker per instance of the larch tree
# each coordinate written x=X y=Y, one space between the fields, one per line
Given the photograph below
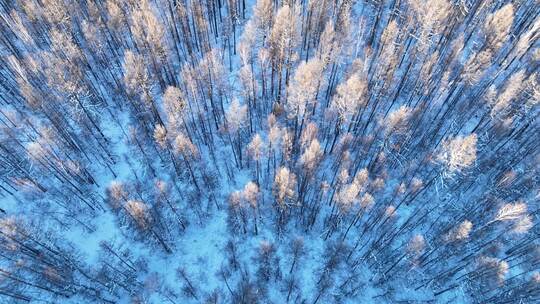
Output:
x=283 y=41
x=497 y=26
x=512 y=90
x=235 y=119
x=175 y=107
x=458 y=153
x=263 y=15
x=302 y=92
x=251 y=195
x=284 y=190
x=255 y=150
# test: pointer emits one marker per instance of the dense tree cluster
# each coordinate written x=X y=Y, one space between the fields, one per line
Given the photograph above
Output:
x=269 y=151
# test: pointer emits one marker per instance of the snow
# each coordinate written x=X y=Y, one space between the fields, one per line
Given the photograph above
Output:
x=201 y=248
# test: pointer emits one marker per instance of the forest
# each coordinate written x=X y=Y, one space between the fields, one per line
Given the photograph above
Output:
x=269 y=151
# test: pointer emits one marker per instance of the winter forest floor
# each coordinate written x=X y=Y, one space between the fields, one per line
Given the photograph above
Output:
x=269 y=151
